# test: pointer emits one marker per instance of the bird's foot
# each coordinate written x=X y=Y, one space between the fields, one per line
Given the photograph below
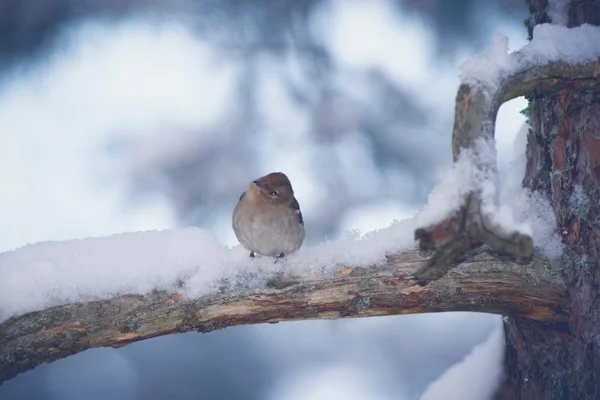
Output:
x=252 y=254
x=281 y=255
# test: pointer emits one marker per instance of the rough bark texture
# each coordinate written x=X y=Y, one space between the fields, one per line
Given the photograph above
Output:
x=480 y=283
x=557 y=361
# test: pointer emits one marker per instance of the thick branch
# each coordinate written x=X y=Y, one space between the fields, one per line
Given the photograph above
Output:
x=481 y=283
x=477 y=105
x=475 y=119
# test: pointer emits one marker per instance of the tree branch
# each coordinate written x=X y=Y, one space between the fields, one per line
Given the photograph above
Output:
x=481 y=283
x=476 y=109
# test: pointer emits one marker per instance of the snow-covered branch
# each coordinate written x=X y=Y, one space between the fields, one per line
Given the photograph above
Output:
x=480 y=283
x=547 y=65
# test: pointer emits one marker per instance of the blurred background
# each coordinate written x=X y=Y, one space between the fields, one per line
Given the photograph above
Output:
x=129 y=115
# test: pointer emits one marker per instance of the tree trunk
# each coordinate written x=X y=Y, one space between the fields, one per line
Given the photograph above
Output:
x=562 y=360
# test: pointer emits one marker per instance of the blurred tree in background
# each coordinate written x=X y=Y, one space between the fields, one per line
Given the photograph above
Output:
x=401 y=141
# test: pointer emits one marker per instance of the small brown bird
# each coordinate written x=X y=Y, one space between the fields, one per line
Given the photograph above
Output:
x=267 y=219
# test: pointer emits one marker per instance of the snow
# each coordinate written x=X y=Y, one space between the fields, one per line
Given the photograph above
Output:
x=550 y=43
x=490 y=64
x=47 y=274
x=477 y=377
x=465 y=176
x=52 y=273
x=559 y=43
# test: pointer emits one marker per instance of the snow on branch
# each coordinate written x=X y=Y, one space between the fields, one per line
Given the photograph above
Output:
x=481 y=283
x=557 y=58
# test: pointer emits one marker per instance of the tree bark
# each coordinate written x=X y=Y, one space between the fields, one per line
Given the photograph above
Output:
x=562 y=361
x=481 y=283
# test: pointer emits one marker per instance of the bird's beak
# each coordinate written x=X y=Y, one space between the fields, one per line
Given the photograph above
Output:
x=260 y=184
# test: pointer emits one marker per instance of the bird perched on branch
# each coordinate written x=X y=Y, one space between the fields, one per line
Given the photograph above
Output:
x=267 y=219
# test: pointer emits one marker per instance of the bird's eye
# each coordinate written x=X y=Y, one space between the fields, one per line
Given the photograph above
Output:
x=274 y=193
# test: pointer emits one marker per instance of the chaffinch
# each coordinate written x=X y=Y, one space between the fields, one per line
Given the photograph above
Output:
x=267 y=219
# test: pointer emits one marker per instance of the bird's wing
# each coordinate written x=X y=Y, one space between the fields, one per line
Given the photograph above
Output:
x=242 y=196
x=296 y=207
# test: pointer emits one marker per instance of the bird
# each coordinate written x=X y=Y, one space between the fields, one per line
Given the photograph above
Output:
x=267 y=219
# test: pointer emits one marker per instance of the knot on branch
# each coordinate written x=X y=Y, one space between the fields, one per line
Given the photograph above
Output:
x=468 y=229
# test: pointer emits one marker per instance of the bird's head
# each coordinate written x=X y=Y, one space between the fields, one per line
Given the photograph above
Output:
x=275 y=188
